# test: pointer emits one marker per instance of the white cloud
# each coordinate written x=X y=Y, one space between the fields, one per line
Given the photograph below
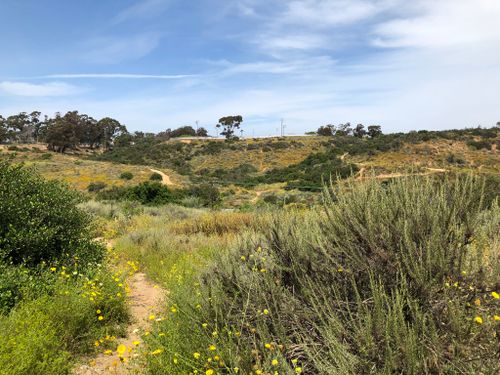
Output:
x=443 y=23
x=293 y=42
x=38 y=90
x=142 y=9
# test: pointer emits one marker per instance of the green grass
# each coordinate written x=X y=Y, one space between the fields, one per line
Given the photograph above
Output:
x=57 y=321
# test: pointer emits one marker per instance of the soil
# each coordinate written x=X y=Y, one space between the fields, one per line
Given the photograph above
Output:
x=143 y=299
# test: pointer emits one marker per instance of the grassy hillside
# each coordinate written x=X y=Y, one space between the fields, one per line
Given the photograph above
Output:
x=76 y=169
x=271 y=170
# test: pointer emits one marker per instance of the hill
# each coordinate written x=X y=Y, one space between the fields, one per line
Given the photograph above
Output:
x=267 y=169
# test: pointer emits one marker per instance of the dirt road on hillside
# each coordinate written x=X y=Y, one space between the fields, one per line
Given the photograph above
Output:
x=165 y=177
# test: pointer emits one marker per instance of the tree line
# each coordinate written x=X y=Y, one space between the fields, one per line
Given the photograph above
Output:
x=75 y=130
x=346 y=129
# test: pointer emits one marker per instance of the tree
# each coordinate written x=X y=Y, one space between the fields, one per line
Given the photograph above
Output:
x=36 y=125
x=229 y=124
x=3 y=129
x=18 y=127
x=183 y=131
x=326 y=131
x=63 y=132
x=374 y=131
x=344 y=129
x=201 y=132
x=359 y=131
x=109 y=130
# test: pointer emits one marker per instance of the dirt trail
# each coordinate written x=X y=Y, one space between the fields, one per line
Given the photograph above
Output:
x=143 y=299
x=361 y=174
x=165 y=177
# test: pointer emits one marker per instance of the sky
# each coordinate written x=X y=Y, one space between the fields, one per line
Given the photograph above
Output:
x=158 y=64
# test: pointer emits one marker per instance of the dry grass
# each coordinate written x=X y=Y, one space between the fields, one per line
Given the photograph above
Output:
x=261 y=160
x=217 y=223
x=79 y=173
x=430 y=154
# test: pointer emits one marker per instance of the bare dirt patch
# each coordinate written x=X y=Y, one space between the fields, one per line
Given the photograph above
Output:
x=143 y=299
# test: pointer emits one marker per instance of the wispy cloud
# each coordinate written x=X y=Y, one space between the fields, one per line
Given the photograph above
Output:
x=327 y=13
x=38 y=90
x=142 y=9
x=118 y=49
x=113 y=76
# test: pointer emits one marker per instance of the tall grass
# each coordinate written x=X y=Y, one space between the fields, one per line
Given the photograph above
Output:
x=385 y=278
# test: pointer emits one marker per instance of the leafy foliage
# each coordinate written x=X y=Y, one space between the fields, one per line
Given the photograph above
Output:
x=312 y=172
x=39 y=219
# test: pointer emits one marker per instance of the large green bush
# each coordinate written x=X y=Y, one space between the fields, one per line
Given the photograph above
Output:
x=39 y=219
x=393 y=278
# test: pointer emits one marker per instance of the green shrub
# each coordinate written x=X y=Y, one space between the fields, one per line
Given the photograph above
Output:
x=150 y=193
x=126 y=176
x=94 y=187
x=46 y=156
x=156 y=177
x=382 y=280
x=208 y=194
x=45 y=334
x=39 y=220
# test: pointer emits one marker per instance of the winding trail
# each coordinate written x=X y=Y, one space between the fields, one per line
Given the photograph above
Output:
x=165 y=177
x=361 y=174
x=143 y=299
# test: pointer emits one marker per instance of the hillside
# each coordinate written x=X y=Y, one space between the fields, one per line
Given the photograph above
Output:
x=249 y=171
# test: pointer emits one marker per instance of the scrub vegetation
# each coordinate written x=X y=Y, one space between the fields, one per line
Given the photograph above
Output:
x=340 y=253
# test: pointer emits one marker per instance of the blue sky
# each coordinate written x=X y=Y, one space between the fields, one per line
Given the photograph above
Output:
x=157 y=64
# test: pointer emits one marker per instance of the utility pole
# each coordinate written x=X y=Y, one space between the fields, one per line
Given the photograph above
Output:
x=196 y=126
x=283 y=126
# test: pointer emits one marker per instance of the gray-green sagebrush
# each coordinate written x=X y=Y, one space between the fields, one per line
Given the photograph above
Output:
x=385 y=278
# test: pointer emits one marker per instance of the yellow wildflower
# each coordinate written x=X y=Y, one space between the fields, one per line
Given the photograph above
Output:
x=136 y=343
x=266 y=311
x=209 y=372
x=477 y=302
x=121 y=349
x=108 y=352
x=478 y=320
x=157 y=351
x=496 y=318
x=298 y=370
x=152 y=317
x=274 y=362
x=196 y=355
x=495 y=295
x=212 y=348
x=100 y=317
